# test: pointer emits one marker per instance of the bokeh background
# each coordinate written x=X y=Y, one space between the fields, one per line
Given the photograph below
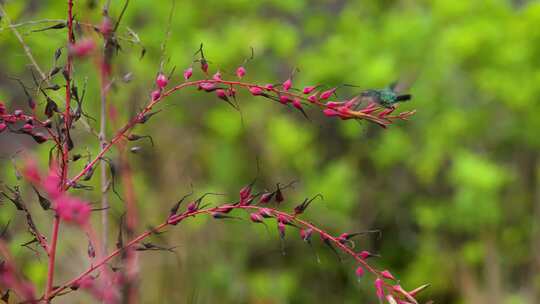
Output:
x=455 y=190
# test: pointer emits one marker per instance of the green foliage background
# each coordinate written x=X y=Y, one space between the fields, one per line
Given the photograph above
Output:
x=455 y=190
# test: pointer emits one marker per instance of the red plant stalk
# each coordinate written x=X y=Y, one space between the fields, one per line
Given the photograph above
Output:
x=65 y=153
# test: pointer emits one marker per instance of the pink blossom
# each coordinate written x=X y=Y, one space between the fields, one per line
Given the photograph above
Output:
x=187 y=73
x=72 y=210
x=308 y=90
x=256 y=218
x=161 y=81
x=217 y=76
x=297 y=104
x=330 y=112
x=52 y=184
x=255 y=91
x=82 y=48
x=287 y=84
x=313 y=98
x=240 y=71
x=155 y=95
x=387 y=275
x=328 y=93
x=379 y=288
x=359 y=271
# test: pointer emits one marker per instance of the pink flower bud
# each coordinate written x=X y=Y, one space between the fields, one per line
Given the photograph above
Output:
x=256 y=218
x=269 y=86
x=27 y=127
x=161 y=81
x=72 y=210
x=204 y=66
x=364 y=255
x=217 y=76
x=220 y=93
x=379 y=288
x=266 y=197
x=266 y=213
x=313 y=98
x=387 y=275
x=281 y=229
x=284 y=99
x=308 y=90
x=187 y=73
x=106 y=26
x=330 y=112
x=245 y=192
x=31 y=171
x=2 y=108
x=297 y=104
x=287 y=84
x=305 y=234
x=255 y=91
x=359 y=271
x=82 y=48
x=240 y=71
x=155 y=95
x=3 y=126
x=333 y=104
x=18 y=113
x=327 y=94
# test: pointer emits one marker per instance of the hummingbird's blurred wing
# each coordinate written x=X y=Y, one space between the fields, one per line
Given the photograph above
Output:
x=404 y=83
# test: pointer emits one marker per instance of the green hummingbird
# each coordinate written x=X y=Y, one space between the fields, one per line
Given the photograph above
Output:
x=386 y=97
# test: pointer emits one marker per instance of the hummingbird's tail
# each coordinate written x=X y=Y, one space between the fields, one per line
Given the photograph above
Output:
x=404 y=97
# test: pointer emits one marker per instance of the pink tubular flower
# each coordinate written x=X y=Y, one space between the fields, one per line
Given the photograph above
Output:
x=72 y=210
x=308 y=90
x=51 y=184
x=256 y=218
x=155 y=95
x=312 y=98
x=269 y=86
x=330 y=112
x=187 y=73
x=82 y=48
x=287 y=84
x=31 y=171
x=217 y=76
x=297 y=104
x=161 y=81
x=379 y=288
x=359 y=271
x=240 y=71
x=255 y=91
x=387 y=275
x=326 y=94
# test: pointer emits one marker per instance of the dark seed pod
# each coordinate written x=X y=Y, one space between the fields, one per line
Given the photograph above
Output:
x=50 y=108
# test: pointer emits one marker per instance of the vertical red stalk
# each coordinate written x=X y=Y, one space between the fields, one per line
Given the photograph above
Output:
x=65 y=156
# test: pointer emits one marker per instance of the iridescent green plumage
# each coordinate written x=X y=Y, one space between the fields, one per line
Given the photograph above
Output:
x=386 y=97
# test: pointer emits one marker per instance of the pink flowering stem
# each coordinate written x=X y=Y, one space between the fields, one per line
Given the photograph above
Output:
x=120 y=134
x=210 y=211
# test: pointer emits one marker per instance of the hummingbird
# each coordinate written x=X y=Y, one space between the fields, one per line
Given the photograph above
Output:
x=386 y=97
